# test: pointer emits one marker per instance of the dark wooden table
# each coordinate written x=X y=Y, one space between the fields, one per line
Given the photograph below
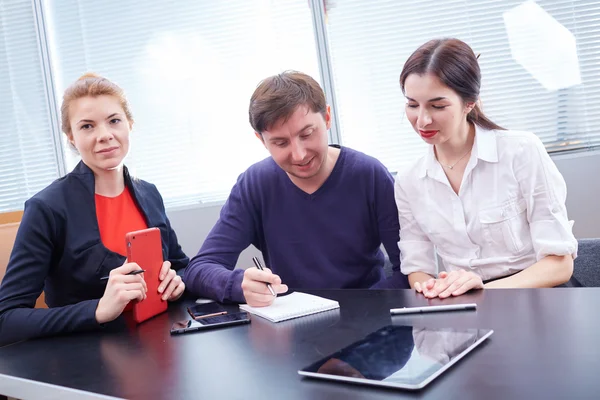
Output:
x=545 y=346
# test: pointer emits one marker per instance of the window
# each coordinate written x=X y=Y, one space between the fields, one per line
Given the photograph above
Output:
x=28 y=157
x=370 y=41
x=189 y=69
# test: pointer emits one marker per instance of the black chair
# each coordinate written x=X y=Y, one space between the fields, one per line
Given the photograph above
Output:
x=586 y=268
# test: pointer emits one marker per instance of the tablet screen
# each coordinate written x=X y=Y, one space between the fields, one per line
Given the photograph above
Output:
x=398 y=356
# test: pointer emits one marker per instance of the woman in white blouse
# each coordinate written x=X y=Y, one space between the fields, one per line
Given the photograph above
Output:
x=488 y=201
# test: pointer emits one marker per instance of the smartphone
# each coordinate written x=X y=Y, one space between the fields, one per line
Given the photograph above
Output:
x=206 y=310
x=145 y=248
x=210 y=323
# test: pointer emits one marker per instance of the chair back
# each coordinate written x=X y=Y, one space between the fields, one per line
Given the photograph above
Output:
x=9 y=225
x=586 y=267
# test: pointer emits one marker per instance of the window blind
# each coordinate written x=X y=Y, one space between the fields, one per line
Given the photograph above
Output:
x=370 y=41
x=28 y=159
x=189 y=69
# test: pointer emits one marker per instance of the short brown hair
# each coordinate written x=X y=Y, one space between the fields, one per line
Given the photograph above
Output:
x=277 y=98
x=91 y=85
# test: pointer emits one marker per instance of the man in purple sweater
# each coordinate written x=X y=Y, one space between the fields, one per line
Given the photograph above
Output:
x=318 y=213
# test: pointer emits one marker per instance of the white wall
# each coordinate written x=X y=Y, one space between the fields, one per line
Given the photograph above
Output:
x=193 y=225
x=581 y=172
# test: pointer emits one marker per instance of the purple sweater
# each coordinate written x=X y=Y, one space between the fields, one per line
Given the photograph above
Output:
x=326 y=240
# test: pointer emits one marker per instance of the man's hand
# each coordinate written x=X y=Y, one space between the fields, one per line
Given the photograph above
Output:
x=255 y=287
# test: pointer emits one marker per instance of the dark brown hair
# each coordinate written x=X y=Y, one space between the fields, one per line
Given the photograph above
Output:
x=453 y=62
x=91 y=85
x=277 y=98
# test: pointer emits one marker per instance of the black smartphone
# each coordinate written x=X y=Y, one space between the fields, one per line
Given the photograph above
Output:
x=206 y=310
x=210 y=323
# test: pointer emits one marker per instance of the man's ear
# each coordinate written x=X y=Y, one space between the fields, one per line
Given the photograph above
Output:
x=328 y=117
x=260 y=137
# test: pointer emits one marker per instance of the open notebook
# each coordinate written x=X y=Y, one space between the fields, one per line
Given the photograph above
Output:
x=293 y=305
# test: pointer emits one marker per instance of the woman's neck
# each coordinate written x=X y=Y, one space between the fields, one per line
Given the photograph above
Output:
x=109 y=183
x=457 y=146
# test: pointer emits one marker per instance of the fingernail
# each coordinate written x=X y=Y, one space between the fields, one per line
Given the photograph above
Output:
x=160 y=290
x=164 y=297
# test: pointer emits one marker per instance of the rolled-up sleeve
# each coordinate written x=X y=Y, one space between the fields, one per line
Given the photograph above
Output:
x=417 y=253
x=545 y=192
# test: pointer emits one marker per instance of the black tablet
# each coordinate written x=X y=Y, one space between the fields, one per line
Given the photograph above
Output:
x=404 y=357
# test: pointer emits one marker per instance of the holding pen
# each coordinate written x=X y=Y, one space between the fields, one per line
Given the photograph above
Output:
x=253 y=285
x=260 y=267
x=136 y=272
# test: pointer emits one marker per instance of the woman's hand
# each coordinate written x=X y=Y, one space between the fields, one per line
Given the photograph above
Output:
x=447 y=284
x=120 y=290
x=171 y=286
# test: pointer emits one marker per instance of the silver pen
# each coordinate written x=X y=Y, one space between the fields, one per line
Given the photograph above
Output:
x=260 y=267
x=449 y=307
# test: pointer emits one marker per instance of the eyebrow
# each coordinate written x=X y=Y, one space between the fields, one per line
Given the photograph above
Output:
x=305 y=128
x=430 y=100
x=89 y=120
x=273 y=139
x=277 y=138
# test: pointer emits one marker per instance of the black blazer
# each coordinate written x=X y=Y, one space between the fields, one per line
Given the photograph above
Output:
x=58 y=250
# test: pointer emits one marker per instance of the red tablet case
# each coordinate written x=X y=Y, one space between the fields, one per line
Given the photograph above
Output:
x=144 y=248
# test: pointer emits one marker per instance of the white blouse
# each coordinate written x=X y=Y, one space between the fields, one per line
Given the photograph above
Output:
x=509 y=213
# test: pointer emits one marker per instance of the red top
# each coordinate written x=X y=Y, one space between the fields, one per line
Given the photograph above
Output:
x=118 y=216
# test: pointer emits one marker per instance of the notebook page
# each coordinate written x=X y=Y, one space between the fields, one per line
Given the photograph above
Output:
x=293 y=305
